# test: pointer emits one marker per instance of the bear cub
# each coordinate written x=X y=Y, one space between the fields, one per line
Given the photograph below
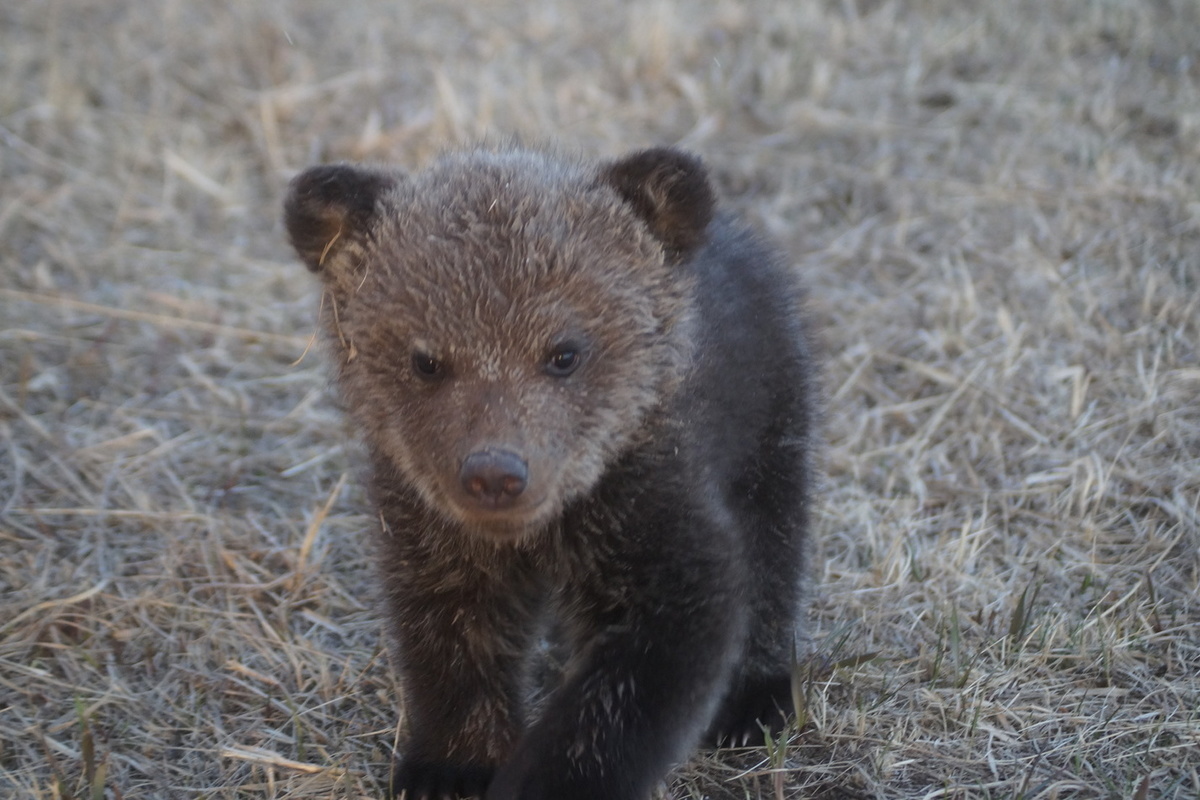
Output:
x=585 y=395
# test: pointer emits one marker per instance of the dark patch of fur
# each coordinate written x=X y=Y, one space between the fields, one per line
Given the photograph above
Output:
x=670 y=189
x=325 y=204
x=663 y=526
x=434 y=780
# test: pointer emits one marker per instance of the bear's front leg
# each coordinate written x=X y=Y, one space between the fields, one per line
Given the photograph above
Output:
x=461 y=635
x=657 y=636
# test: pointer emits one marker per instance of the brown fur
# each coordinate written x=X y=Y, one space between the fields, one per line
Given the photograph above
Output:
x=440 y=246
x=647 y=498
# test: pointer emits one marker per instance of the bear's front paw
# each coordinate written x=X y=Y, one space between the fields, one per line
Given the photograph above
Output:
x=522 y=777
x=437 y=780
x=751 y=707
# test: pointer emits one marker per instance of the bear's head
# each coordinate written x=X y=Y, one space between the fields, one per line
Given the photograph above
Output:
x=505 y=323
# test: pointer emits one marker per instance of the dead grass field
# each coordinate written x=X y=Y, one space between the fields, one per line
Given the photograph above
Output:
x=995 y=203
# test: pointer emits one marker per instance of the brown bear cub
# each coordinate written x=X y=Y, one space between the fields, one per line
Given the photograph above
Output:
x=585 y=395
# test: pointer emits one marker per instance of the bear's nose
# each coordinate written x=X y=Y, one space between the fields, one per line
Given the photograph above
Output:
x=494 y=477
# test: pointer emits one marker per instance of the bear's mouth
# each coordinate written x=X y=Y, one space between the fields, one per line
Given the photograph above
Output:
x=504 y=525
x=502 y=521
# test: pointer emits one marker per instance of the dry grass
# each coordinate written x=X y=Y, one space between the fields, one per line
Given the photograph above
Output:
x=996 y=204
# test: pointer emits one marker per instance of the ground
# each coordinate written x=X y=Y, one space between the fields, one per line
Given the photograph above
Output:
x=995 y=205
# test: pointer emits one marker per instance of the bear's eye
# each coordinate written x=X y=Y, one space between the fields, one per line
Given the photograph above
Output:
x=426 y=366
x=563 y=360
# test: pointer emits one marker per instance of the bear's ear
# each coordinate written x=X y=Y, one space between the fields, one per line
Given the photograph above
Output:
x=668 y=189
x=327 y=206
